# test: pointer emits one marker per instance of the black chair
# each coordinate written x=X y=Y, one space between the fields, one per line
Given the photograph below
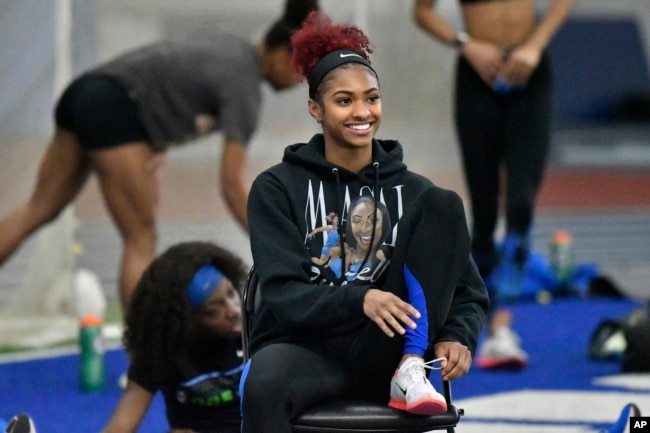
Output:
x=353 y=416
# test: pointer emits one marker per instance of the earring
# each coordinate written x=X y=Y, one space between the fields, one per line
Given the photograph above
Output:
x=319 y=121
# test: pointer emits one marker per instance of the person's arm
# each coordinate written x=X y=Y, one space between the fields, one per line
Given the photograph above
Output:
x=130 y=410
x=233 y=182
x=428 y=20
x=486 y=58
x=320 y=230
x=524 y=59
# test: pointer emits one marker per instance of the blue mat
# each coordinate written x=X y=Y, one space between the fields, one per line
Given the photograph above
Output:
x=555 y=336
x=48 y=390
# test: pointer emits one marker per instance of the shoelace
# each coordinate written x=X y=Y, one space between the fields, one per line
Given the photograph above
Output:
x=415 y=368
x=434 y=367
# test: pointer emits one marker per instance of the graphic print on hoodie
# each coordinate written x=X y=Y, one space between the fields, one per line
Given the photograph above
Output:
x=368 y=206
x=357 y=248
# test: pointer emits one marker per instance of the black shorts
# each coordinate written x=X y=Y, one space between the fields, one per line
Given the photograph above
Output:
x=100 y=112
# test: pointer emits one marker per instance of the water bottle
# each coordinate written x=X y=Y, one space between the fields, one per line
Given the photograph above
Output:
x=501 y=87
x=561 y=255
x=92 y=375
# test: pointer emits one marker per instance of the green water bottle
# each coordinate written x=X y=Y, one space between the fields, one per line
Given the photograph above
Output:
x=92 y=375
x=562 y=255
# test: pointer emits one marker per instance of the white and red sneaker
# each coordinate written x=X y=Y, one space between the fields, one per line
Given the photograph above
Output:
x=411 y=390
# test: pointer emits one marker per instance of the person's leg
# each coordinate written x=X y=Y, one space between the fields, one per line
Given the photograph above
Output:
x=501 y=348
x=129 y=180
x=479 y=126
x=62 y=173
x=419 y=240
x=526 y=150
x=282 y=381
x=107 y=123
x=527 y=144
x=528 y=130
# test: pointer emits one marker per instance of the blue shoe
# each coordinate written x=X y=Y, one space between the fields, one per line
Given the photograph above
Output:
x=622 y=425
x=508 y=277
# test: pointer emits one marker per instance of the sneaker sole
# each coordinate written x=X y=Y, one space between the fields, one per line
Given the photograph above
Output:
x=397 y=404
x=423 y=407
x=511 y=363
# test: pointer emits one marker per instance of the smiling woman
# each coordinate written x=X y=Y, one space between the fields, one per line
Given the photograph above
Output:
x=337 y=328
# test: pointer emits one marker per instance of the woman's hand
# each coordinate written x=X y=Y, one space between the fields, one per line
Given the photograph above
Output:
x=458 y=359
x=389 y=312
x=485 y=58
x=520 y=65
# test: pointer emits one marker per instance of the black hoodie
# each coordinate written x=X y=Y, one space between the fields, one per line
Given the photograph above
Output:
x=302 y=300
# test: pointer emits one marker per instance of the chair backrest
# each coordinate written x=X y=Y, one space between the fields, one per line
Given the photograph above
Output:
x=250 y=301
x=350 y=416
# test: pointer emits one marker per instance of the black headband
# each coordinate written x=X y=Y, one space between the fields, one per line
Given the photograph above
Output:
x=331 y=61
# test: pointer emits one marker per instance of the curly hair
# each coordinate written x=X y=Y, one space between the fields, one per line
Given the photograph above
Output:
x=318 y=37
x=160 y=322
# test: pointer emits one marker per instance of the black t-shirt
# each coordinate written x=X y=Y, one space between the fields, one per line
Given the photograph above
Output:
x=207 y=402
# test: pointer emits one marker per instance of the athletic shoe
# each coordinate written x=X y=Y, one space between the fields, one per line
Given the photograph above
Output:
x=21 y=424
x=622 y=425
x=411 y=390
x=502 y=351
x=508 y=277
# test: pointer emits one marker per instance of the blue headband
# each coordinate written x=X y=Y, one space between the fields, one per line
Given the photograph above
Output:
x=331 y=61
x=203 y=284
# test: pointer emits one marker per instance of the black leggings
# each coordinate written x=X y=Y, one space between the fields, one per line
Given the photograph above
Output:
x=285 y=379
x=513 y=129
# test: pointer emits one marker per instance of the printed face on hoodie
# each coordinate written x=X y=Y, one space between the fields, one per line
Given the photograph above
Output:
x=362 y=217
x=349 y=107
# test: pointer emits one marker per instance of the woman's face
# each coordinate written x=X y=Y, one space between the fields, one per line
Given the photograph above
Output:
x=361 y=220
x=220 y=314
x=349 y=106
x=278 y=70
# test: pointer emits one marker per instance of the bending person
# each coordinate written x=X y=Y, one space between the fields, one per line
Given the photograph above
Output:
x=117 y=120
x=319 y=335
